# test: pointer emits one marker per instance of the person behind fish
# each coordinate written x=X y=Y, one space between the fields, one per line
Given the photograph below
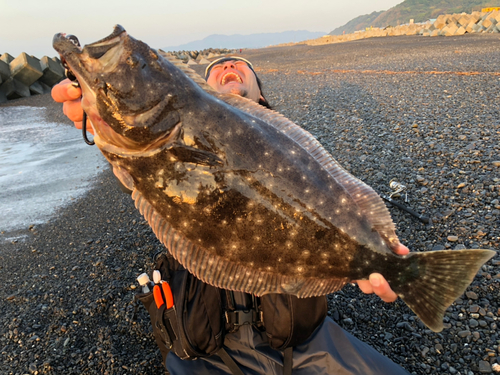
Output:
x=330 y=349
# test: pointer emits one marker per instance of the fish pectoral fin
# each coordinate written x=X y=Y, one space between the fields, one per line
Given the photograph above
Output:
x=188 y=154
x=439 y=278
x=124 y=177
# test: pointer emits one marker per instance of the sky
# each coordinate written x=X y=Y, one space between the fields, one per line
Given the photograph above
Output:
x=29 y=25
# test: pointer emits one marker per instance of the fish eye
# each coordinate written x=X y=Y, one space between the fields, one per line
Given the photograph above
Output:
x=132 y=61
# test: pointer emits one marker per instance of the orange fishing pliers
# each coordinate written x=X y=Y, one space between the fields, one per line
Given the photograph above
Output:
x=162 y=295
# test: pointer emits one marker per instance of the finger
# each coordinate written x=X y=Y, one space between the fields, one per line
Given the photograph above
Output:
x=365 y=286
x=79 y=124
x=65 y=91
x=382 y=288
x=73 y=110
x=401 y=249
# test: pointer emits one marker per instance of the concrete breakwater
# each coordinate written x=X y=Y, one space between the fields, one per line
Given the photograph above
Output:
x=27 y=75
x=444 y=25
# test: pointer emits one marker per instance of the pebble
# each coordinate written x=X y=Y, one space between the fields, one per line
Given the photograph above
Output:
x=471 y=295
x=464 y=333
x=473 y=323
x=484 y=367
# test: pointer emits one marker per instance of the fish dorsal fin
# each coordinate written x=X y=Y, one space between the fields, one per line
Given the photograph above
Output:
x=365 y=197
x=187 y=71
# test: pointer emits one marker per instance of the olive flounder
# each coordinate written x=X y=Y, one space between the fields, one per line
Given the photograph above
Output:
x=242 y=197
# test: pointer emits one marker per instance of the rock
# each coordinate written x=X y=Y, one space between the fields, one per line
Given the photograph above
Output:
x=471 y=295
x=473 y=323
x=484 y=367
x=32 y=367
x=464 y=333
x=425 y=350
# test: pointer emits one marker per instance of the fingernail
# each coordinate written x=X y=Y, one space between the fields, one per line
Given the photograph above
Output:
x=375 y=281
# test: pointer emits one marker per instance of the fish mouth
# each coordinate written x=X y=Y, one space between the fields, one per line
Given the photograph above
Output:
x=65 y=44
x=99 y=57
x=230 y=77
x=91 y=58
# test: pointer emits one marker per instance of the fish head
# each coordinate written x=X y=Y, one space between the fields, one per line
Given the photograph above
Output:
x=127 y=89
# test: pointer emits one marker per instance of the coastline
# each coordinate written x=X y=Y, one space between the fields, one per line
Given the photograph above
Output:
x=67 y=304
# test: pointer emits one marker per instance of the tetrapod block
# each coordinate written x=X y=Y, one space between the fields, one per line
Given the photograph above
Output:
x=7 y=58
x=25 y=69
x=39 y=88
x=53 y=72
x=4 y=70
x=13 y=89
x=36 y=89
x=46 y=88
x=3 y=98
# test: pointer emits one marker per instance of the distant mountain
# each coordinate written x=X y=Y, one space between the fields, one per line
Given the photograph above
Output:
x=419 y=10
x=246 y=41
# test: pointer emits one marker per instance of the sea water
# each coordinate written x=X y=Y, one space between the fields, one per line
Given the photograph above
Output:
x=43 y=167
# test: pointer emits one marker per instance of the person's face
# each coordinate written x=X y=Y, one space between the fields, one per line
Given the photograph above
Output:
x=234 y=77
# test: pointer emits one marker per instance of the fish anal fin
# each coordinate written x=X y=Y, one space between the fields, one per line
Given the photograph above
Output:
x=222 y=273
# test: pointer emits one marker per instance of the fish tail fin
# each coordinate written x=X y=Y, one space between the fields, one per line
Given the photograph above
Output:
x=430 y=282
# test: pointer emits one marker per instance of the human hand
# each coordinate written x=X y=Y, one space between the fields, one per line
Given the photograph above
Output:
x=65 y=92
x=378 y=284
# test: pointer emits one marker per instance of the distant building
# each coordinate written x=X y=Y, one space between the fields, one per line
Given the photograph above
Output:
x=491 y=9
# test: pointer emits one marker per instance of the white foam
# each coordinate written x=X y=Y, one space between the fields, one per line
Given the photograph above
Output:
x=43 y=167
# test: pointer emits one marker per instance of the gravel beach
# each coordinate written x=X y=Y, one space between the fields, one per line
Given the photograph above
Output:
x=424 y=111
